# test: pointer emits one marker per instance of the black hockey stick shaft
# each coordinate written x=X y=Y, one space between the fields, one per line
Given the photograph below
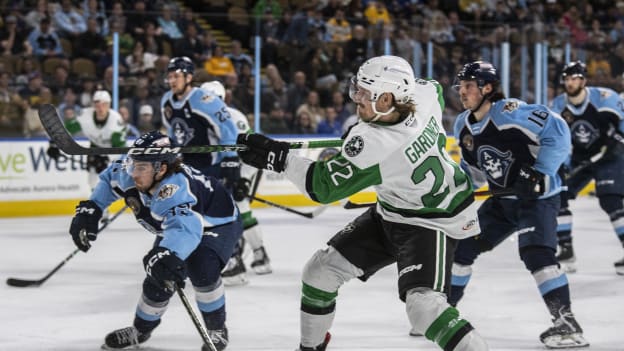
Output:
x=288 y=209
x=198 y=325
x=21 y=283
x=352 y=205
x=55 y=128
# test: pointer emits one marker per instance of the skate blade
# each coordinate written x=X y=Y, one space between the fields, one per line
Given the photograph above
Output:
x=571 y=341
x=263 y=269
x=240 y=279
x=131 y=347
x=415 y=333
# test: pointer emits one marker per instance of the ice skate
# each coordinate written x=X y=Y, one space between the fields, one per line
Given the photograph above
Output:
x=619 y=267
x=320 y=347
x=125 y=338
x=234 y=272
x=219 y=338
x=565 y=332
x=566 y=257
x=414 y=332
x=261 y=263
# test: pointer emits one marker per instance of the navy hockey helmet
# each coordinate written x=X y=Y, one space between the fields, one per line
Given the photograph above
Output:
x=481 y=72
x=153 y=139
x=574 y=69
x=181 y=64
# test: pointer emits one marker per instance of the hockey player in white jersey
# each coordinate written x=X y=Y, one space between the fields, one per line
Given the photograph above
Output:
x=104 y=127
x=596 y=119
x=241 y=192
x=425 y=202
x=517 y=148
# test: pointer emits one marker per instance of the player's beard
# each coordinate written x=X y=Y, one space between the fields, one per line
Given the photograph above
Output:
x=574 y=93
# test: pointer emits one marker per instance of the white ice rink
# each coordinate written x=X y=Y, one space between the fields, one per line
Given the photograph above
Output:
x=96 y=292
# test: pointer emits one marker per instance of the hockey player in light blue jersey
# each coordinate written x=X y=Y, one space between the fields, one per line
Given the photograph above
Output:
x=196 y=223
x=596 y=119
x=517 y=149
x=193 y=116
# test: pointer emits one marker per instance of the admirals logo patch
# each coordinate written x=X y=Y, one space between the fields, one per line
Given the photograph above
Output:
x=468 y=142
x=182 y=133
x=354 y=146
x=167 y=191
x=207 y=98
x=510 y=106
x=327 y=153
x=495 y=163
x=583 y=133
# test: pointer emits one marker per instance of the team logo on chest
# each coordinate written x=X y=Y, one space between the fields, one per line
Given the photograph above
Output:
x=567 y=116
x=182 y=133
x=495 y=163
x=583 y=133
x=354 y=146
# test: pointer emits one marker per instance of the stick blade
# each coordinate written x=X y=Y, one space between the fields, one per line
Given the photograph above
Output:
x=22 y=283
x=54 y=126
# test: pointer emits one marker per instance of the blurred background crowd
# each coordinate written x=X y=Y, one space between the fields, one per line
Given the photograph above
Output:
x=61 y=52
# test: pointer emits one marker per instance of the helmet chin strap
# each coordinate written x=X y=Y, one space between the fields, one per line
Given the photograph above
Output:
x=482 y=101
x=378 y=114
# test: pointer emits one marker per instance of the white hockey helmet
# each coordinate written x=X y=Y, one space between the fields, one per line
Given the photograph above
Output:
x=386 y=74
x=215 y=87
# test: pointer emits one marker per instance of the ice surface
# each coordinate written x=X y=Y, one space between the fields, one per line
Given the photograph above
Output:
x=96 y=292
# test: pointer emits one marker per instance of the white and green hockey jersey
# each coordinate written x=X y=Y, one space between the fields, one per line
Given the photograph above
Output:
x=111 y=134
x=416 y=180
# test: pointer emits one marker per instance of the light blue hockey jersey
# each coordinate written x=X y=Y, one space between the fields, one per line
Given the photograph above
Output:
x=512 y=134
x=185 y=205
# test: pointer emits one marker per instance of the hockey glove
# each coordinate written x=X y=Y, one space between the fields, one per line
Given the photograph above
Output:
x=529 y=183
x=230 y=172
x=263 y=152
x=53 y=151
x=165 y=268
x=97 y=162
x=84 y=225
x=241 y=189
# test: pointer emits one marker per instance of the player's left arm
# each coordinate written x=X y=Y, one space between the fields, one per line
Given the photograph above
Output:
x=554 y=139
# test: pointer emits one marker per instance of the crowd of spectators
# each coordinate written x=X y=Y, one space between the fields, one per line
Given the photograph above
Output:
x=60 y=52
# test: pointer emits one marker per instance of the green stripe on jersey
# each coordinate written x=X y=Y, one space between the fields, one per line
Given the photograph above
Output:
x=440 y=278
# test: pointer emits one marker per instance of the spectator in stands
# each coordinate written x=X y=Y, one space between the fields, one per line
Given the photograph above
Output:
x=275 y=123
x=90 y=44
x=312 y=105
x=377 y=14
x=297 y=32
x=117 y=15
x=58 y=82
x=340 y=106
x=10 y=111
x=318 y=69
x=106 y=59
x=339 y=65
x=152 y=39
x=13 y=41
x=30 y=100
x=440 y=29
x=188 y=18
x=271 y=39
x=70 y=103
x=68 y=22
x=137 y=19
x=126 y=41
x=297 y=93
x=209 y=43
x=86 y=91
x=356 y=47
x=95 y=9
x=28 y=66
x=141 y=97
x=34 y=16
x=145 y=122
x=139 y=60
x=190 y=45
x=338 y=28
x=218 y=65
x=238 y=57
x=131 y=129
x=169 y=26
x=303 y=123
x=44 y=41
x=267 y=6
x=330 y=125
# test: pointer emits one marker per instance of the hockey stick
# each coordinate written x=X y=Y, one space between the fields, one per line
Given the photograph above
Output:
x=53 y=125
x=23 y=283
x=352 y=205
x=310 y=215
x=198 y=325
